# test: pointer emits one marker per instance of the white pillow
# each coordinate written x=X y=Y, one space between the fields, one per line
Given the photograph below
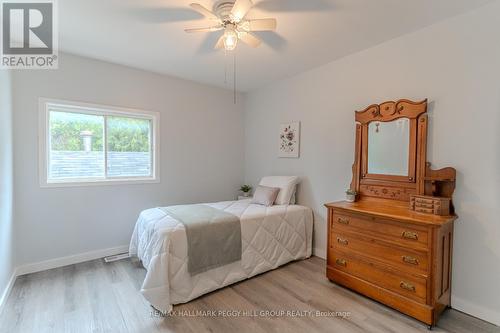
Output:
x=286 y=184
x=264 y=195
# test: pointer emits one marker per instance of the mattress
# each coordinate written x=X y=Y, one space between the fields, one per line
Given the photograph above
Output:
x=271 y=237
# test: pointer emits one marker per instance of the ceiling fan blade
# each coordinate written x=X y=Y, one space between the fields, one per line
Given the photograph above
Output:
x=240 y=9
x=249 y=39
x=260 y=25
x=220 y=43
x=207 y=29
x=204 y=11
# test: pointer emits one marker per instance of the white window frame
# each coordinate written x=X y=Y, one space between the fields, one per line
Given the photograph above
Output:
x=100 y=110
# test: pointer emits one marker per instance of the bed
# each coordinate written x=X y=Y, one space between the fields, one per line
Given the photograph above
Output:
x=270 y=237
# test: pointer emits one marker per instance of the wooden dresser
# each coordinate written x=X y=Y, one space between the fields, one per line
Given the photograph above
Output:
x=380 y=248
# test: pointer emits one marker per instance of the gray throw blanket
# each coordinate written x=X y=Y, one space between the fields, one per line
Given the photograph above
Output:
x=213 y=236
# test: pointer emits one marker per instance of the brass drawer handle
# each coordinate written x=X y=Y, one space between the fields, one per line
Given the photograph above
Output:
x=341 y=262
x=410 y=260
x=410 y=235
x=342 y=241
x=343 y=220
x=407 y=286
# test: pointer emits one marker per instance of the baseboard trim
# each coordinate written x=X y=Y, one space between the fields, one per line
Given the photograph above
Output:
x=475 y=310
x=6 y=292
x=319 y=253
x=70 y=260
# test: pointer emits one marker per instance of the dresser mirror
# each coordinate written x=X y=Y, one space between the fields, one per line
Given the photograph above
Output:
x=388 y=147
x=390 y=150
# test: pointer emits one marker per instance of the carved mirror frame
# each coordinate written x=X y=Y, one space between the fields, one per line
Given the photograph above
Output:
x=394 y=187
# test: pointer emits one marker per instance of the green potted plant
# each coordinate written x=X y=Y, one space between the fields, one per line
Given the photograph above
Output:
x=350 y=195
x=246 y=190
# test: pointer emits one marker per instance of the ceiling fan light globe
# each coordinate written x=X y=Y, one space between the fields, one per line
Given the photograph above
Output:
x=229 y=47
x=230 y=40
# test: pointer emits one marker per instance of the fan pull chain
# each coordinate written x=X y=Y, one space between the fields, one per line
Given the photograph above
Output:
x=225 y=67
x=234 y=76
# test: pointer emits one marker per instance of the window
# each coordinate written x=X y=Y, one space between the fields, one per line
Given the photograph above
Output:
x=82 y=144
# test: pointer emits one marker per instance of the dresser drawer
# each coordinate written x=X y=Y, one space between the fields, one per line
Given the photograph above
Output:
x=405 y=259
x=406 y=235
x=402 y=284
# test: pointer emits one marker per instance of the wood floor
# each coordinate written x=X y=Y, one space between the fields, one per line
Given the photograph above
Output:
x=99 y=297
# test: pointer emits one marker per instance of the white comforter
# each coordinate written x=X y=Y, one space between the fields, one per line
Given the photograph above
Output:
x=271 y=237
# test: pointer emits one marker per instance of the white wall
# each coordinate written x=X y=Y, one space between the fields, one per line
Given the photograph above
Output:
x=201 y=156
x=6 y=187
x=456 y=64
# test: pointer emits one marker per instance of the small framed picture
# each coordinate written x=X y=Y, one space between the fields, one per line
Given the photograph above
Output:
x=289 y=140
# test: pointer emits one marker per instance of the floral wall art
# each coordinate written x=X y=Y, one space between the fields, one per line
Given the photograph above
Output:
x=289 y=140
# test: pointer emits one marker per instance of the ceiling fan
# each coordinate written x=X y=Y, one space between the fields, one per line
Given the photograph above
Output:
x=229 y=15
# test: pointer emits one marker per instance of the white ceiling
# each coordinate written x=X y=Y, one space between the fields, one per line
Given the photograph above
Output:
x=148 y=34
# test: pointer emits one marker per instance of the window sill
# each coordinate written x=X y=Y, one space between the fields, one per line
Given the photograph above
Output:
x=100 y=182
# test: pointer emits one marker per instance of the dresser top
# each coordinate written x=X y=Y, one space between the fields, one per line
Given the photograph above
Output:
x=390 y=209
